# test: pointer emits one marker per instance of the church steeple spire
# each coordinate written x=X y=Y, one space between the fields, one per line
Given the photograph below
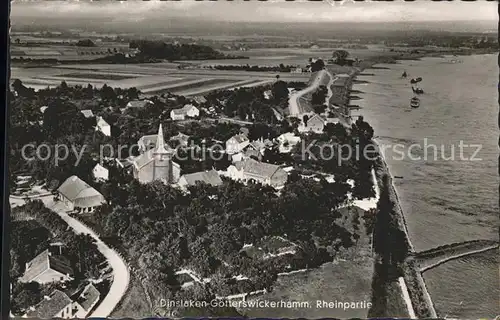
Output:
x=160 y=142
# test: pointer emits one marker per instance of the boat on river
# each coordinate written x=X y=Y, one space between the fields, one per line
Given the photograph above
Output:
x=415 y=80
x=417 y=90
x=415 y=102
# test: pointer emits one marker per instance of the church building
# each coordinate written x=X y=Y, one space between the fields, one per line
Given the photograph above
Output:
x=156 y=163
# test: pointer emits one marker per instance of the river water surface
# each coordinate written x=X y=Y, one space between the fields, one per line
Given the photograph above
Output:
x=448 y=192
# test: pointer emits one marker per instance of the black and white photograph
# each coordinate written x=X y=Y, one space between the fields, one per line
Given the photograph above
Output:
x=253 y=159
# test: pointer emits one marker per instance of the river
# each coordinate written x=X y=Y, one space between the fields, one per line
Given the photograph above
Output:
x=448 y=192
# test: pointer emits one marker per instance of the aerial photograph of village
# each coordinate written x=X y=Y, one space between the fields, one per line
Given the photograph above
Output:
x=253 y=159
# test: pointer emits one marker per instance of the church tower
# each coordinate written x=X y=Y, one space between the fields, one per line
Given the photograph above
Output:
x=162 y=159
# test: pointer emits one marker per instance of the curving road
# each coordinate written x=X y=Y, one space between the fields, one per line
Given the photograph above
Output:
x=295 y=107
x=121 y=275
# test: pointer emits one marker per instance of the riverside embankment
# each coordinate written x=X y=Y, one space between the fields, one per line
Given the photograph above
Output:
x=443 y=201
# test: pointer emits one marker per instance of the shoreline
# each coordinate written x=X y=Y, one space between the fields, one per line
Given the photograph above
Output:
x=415 y=284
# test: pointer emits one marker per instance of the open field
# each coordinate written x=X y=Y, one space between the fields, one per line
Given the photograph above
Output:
x=328 y=283
x=149 y=78
x=104 y=76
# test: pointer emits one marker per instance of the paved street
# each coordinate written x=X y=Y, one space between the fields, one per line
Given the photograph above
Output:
x=121 y=275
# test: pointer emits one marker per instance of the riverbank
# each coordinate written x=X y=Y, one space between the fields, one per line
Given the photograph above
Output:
x=431 y=189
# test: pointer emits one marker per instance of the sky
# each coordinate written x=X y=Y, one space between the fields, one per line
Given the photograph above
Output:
x=258 y=11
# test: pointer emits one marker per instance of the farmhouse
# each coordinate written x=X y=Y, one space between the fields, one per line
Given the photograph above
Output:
x=87 y=113
x=57 y=305
x=47 y=268
x=85 y=301
x=237 y=143
x=78 y=195
x=264 y=173
x=209 y=177
x=103 y=127
x=100 y=173
x=156 y=163
x=188 y=110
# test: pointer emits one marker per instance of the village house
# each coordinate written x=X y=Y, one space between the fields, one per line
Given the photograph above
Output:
x=137 y=104
x=79 y=196
x=47 y=268
x=287 y=141
x=156 y=163
x=265 y=173
x=210 y=177
x=268 y=94
x=56 y=305
x=237 y=143
x=315 y=124
x=255 y=149
x=103 y=127
x=181 y=138
x=199 y=99
x=87 y=113
x=85 y=300
x=188 y=111
x=100 y=173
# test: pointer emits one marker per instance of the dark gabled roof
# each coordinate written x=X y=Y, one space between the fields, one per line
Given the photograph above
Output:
x=80 y=193
x=316 y=119
x=261 y=169
x=209 y=177
x=89 y=296
x=73 y=187
x=49 y=308
x=43 y=262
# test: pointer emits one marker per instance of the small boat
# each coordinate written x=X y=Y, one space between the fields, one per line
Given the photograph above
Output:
x=404 y=75
x=417 y=90
x=416 y=80
x=415 y=102
x=398 y=177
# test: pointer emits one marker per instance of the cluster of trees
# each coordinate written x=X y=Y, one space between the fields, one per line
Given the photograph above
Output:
x=334 y=151
x=318 y=99
x=340 y=57
x=85 y=43
x=168 y=51
x=280 y=68
x=317 y=65
x=251 y=104
x=165 y=230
